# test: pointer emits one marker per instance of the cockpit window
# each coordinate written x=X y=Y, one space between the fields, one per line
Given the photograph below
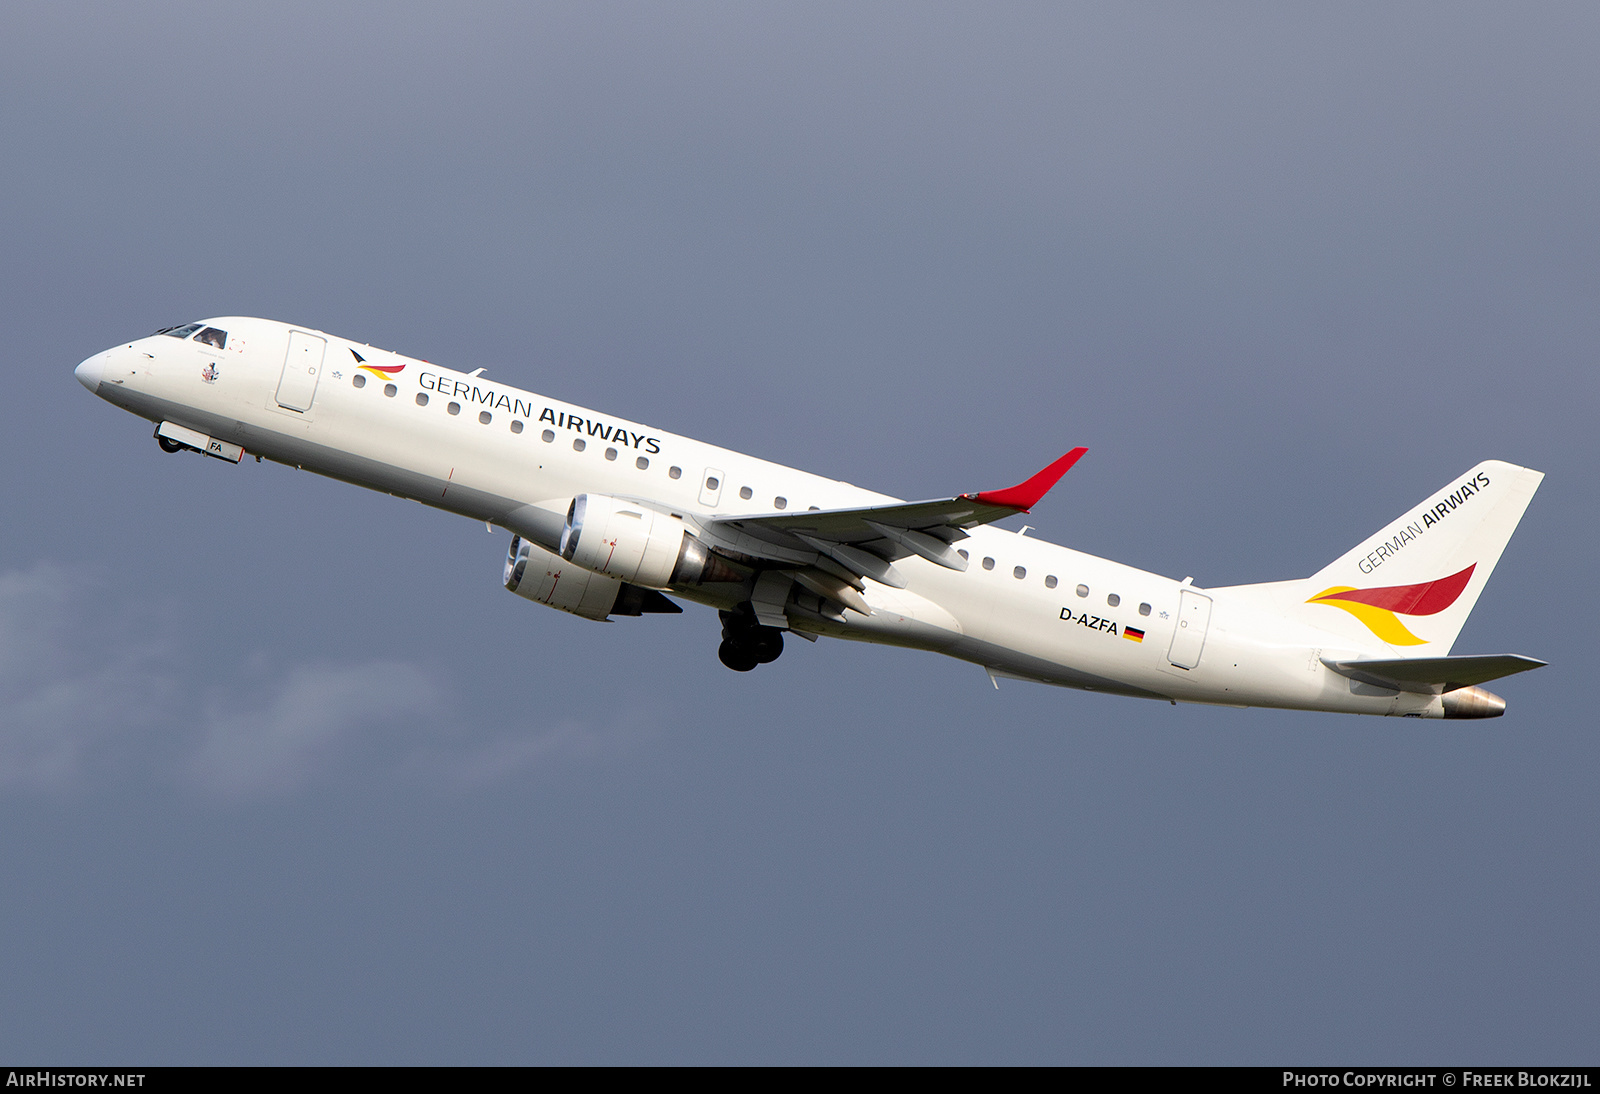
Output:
x=183 y=331
x=211 y=336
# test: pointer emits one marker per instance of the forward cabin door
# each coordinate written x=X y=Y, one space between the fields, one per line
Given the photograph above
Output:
x=301 y=370
x=1189 y=636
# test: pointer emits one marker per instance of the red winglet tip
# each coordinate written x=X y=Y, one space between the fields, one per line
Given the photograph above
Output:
x=1025 y=495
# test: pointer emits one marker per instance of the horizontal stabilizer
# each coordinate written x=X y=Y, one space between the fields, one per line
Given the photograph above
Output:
x=1434 y=674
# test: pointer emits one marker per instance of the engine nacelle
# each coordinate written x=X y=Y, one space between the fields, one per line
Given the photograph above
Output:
x=636 y=544
x=536 y=574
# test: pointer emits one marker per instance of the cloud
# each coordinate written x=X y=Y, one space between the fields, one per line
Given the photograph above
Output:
x=305 y=725
x=72 y=695
x=86 y=701
x=518 y=753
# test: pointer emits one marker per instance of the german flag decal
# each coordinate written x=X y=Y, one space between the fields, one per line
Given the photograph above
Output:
x=1133 y=634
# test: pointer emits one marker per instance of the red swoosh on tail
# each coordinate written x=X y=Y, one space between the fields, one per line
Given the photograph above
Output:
x=1428 y=598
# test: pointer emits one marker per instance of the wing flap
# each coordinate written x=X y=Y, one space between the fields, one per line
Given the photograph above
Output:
x=921 y=543
x=858 y=561
x=856 y=525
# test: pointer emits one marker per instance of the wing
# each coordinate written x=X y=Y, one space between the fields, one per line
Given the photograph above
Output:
x=850 y=544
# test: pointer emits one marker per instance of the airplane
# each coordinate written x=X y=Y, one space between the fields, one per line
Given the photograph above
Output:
x=609 y=516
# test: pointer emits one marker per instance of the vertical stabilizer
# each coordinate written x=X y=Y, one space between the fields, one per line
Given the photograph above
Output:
x=1413 y=584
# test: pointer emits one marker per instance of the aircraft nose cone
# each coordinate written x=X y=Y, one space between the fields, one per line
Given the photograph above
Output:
x=90 y=371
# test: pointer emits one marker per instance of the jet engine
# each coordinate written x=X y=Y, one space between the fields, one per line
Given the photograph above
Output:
x=535 y=574
x=635 y=543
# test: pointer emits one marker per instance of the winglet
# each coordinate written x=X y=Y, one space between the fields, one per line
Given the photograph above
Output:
x=1024 y=496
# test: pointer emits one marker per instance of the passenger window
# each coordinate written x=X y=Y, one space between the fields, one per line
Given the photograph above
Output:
x=641 y=463
x=965 y=557
x=1144 y=609
x=1083 y=590
x=516 y=426
x=422 y=398
x=780 y=503
x=547 y=436
x=746 y=493
x=713 y=483
x=1050 y=581
x=1113 y=600
x=1019 y=573
x=674 y=472
x=390 y=390
x=611 y=453
x=988 y=564
x=358 y=380
x=578 y=445
x=211 y=336
x=454 y=408
x=484 y=417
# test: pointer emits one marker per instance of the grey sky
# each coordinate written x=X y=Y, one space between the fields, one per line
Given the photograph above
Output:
x=286 y=776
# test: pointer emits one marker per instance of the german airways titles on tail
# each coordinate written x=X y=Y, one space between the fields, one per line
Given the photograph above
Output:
x=607 y=517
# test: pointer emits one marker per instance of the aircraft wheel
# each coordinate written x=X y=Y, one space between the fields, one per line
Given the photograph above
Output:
x=169 y=446
x=767 y=647
x=737 y=658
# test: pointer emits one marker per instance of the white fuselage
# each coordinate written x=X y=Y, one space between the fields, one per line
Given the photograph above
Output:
x=474 y=446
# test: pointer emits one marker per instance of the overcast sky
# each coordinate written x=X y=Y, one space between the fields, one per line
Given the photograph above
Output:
x=287 y=777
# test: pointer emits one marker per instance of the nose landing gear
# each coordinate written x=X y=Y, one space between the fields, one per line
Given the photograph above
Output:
x=746 y=643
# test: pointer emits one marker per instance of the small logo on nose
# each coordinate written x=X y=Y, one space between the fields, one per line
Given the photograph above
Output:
x=209 y=374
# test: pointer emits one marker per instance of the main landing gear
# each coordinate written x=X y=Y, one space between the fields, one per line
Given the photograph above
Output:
x=746 y=643
x=168 y=446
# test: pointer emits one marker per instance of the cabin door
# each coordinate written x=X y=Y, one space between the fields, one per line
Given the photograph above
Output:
x=301 y=370
x=1189 y=636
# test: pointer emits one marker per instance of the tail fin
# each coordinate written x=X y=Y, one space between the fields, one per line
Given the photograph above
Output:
x=1414 y=583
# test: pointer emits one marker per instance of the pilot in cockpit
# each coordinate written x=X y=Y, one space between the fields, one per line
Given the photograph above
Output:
x=210 y=336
